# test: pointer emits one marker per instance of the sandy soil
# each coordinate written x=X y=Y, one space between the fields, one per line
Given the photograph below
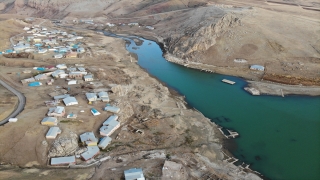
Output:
x=8 y=102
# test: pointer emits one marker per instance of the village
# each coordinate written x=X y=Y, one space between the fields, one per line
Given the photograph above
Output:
x=99 y=109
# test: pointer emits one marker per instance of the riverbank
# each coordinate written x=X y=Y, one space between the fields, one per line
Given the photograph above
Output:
x=265 y=87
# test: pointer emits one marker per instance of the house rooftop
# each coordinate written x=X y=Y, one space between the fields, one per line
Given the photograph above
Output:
x=105 y=142
x=53 y=132
x=112 y=121
x=63 y=160
x=88 y=137
x=90 y=153
x=134 y=173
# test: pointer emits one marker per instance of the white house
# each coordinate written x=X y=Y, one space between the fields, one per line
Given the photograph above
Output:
x=40 y=77
x=72 y=82
x=91 y=152
x=112 y=109
x=89 y=139
x=104 y=142
x=58 y=111
x=91 y=97
x=257 y=67
x=109 y=126
x=69 y=101
x=60 y=161
x=88 y=77
x=53 y=132
x=134 y=174
x=49 y=121
x=61 y=66
x=104 y=96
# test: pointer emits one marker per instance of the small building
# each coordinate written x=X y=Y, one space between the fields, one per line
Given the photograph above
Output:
x=88 y=77
x=91 y=97
x=58 y=56
x=88 y=139
x=72 y=116
x=104 y=96
x=77 y=74
x=49 y=121
x=104 y=142
x=109 y=126
x=58 y=111
x=150 y=27
x=90 y=153
x=81 y=69
x=111 y=120
x=42 y=51
x=72 y=69
x=34 y=84
x=40 y=77
x=112 y=109
x=69 y=101
x=72 y=82
x=62 y=161
x=95 y=112
x=53 y=132
x=134 y=174
x=61 y=66
x=28 y=80
x=257 y=67
x=13 y=119
x=71 y=55
x=61 y=96
x=56 y=73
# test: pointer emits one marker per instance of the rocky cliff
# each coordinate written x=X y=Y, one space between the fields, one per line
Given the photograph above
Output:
x=200 y=39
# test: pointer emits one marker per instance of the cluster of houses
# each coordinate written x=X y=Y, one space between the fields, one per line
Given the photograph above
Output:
x=41 y=40
x=73 y=75
x=56 y=111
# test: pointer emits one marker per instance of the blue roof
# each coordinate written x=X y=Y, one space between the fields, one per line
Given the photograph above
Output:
x=34 y=84
x=41 y=69
x=94 y=110
x=9 y=51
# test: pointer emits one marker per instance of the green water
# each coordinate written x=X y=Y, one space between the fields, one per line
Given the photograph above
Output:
x=279 y=137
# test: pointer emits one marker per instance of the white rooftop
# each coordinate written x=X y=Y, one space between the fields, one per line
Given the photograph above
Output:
x=53 y=132
x=68 y=101
x=88 y=137
x=90 y=153
x=104 y=142
x=134 y=174
x=63 y=160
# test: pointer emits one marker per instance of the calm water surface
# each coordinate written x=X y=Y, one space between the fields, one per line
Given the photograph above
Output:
x=279 y=137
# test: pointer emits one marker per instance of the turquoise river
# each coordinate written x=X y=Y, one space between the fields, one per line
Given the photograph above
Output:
x=279 y=137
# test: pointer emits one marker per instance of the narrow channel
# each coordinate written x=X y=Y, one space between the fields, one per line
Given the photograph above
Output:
x=279 y=137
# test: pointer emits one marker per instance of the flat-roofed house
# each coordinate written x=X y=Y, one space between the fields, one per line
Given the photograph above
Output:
x=109 y=126
x=69 y=101
x=49 y=121
x=104 y=96
x=104 y=142
x=134 y=174
x=71 y=55
x=53 y=132
x=61 y=96
x=60 y=161
x=58 y=111
x=61 y=66
x=88 y=77
x=257 y=67
x=112 y=109
x=91 y=152
x=40 y=77
x=91 y=97
x=28 y=80
x=89 y=139
x=56 y=73
x=77 y=74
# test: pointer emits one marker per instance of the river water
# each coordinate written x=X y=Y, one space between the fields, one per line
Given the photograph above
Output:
x=279 y=137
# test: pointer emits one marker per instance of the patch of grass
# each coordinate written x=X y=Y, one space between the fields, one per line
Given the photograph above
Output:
x=189 y=140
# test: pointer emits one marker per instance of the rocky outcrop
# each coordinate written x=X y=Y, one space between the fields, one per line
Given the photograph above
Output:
x=65 y=146
x=200 y=40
